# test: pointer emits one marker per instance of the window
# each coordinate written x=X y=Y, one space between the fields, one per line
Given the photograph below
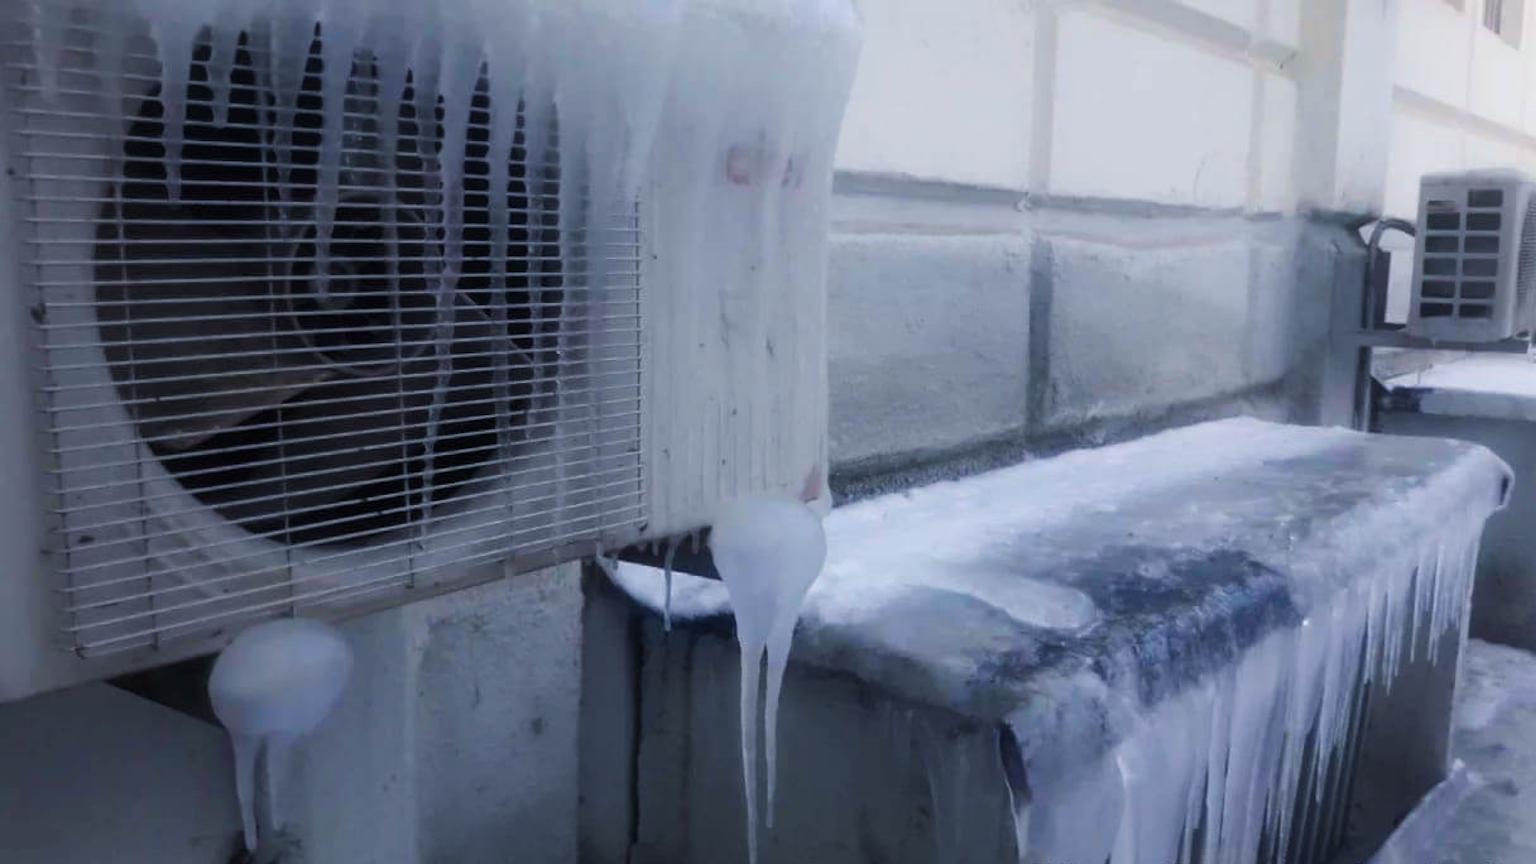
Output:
x=1504 y=18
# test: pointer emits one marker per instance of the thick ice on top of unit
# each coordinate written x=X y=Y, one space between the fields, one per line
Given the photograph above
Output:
x=605 y=64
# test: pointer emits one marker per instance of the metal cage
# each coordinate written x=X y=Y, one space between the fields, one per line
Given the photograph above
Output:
x=244 y=415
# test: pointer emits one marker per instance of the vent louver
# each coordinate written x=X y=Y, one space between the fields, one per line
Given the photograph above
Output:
x=275 y=372
x=1475 y=265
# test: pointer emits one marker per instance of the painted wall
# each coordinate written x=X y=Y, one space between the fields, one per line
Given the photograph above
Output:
x=1463 y=97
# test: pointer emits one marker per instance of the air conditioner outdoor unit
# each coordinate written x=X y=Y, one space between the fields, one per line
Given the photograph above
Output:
x=1474 y=266
x=275 y=345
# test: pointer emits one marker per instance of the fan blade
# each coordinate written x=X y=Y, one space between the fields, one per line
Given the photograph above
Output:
x=200 y=339
x=348 y=454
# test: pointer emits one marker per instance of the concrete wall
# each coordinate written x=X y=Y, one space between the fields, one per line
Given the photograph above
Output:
x=1064 y=222
x=456 y=741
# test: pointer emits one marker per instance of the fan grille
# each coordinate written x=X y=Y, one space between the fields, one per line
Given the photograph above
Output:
x=231 y=437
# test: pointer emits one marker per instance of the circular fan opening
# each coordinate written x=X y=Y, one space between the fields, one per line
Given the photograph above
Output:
x=318 y=410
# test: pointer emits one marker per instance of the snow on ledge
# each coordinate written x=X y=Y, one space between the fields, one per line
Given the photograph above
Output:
x=1496 y=386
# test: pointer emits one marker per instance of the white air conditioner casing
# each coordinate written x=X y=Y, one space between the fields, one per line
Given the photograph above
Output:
x=671 y=356
x=1474 y=264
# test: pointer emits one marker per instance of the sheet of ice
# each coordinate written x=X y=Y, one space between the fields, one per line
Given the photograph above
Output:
x=768 y=551
x=275 y=683
x=1482 y=385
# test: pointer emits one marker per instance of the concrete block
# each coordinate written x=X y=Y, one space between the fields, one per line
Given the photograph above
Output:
x=351 y=795
x=95 y=774
x=456 y=740
x=943 y=92
x=498 y=696
x=929 y=341
x=1283 y=324
x=1134 y=329
x=1138 y=115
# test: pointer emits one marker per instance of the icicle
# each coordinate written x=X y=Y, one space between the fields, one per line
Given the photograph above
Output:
x=111 y=49
x=174 y=32
x=276 y=682
x=768 y=552
x=444 y=286
x=340 y=32
x=246 y=749
x=50 y=28
x=290 y=35
x=224 y=44
x=506 y=64
x=458 y=77
x=666 y=609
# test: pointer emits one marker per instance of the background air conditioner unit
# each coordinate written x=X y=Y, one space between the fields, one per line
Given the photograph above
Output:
x=273 y=346
x=1474 y=266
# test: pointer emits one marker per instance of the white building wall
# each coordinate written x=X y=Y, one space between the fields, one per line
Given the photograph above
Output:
x=1177 y=103
x=1463 y=97
x=934 y=75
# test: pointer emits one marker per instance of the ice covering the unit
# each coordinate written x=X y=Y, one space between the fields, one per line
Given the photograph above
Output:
x=1144 y=600
x=715 y=120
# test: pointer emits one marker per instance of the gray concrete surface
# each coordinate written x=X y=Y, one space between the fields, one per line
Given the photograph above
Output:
x=930 y=341
x=1496 y=737
x=456 y=741
x=965 y=321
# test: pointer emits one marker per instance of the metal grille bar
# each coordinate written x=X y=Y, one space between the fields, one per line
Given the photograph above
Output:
x=232 y=435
